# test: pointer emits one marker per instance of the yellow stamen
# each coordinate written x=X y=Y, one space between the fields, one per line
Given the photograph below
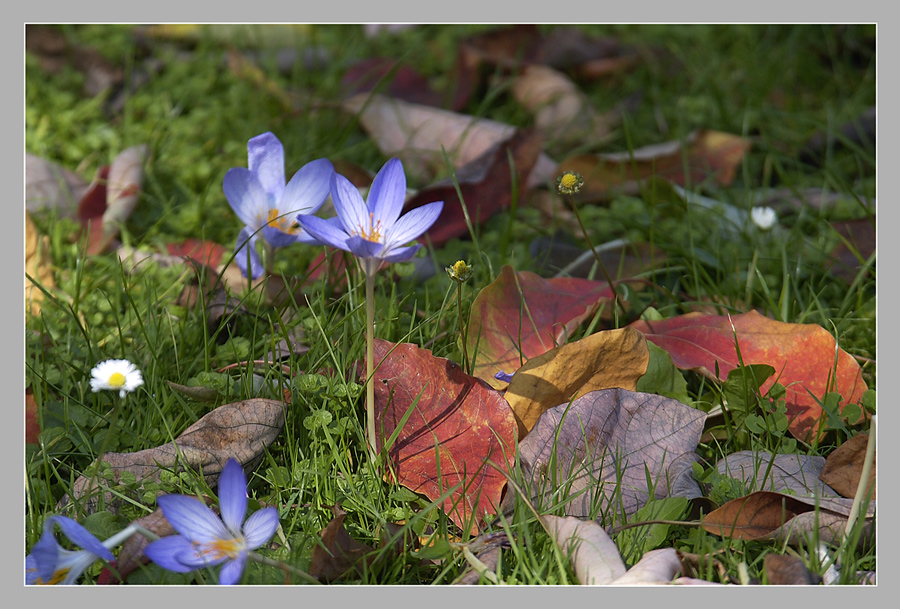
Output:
x=116 y=379
x=282 y=222
x=373 y=232
x=57 y=577
x=223 y=548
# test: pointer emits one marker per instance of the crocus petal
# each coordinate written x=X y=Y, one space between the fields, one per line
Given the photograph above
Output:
x=246 y=244
x=45 y=553
x=233 y=495
x=413 y=224
x=329 y=232
x=260 y=526
x=165 y=551
x=349 y=205
x=190 y=517
x=402 y=254
x=363 y=248
x=308 y=189
x=265 y=158
x=388 y=193
x=246 y=196
x=231 y=572
x=81 y=537
x=277 y=238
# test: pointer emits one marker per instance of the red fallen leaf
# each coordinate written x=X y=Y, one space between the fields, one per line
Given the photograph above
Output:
x=32 y=427
x=402 y=82
x=521 y=315
x=803 y=355
x=201 y=251
x=860 y=240
x=486 y=186
x=459 y=431
x=93 y=201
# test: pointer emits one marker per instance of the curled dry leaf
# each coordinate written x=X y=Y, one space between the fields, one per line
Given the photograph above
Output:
x=759 y=470
x=241 y=430
x=418 y=135
x=600 y=450
x=593 y=555
x=765 y=515
x=123 y=187
x=562 y=112
x=51 y=186
x=784 y=570
x=612 y=358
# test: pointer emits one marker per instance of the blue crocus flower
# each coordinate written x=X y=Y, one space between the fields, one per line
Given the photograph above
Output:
x=50 y=564
x=373 y=230
x=258 y=195
x=205 y=539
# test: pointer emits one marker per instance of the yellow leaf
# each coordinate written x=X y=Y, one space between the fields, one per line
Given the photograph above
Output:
x=37 y=265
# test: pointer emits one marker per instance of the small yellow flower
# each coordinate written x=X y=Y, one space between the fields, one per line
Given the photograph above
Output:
x=116 y=375
x=460 y=271
x=569 y=183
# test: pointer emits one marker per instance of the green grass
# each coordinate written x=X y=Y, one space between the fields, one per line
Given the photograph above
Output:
x=774 y=84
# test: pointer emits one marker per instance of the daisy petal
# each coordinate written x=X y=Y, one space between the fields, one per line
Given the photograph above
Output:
x=233 y=495
x=190 y=517
x=388 y=193
x=265 y=158
x=260 y=526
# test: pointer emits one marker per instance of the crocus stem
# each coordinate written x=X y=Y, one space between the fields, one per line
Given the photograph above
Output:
x=370 y=360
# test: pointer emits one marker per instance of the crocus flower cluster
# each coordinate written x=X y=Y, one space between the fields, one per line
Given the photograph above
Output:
x=206 y=540
x=266 y=205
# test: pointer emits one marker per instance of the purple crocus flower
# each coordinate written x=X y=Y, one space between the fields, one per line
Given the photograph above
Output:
x=205 y=539
x=258 y=195
x=373 y=230
x=50 y=564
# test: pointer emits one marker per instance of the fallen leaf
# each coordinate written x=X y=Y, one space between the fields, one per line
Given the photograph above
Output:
x=764 y=515
x=562 y=112
x=241 y=430
x=131 y=555
x=759 y=470
x=51 y=186
x=843 y=467
x=200 y=251
x=38 y=266
x=337 y=553
x=857 y=245
x=702 y=156
x=396 y=80
x=612 y=358
x=593 y=555
x=805 y=358
x=459 y=431
x=521 y=315
x=604 y=448
x=784 y=570
x=123 y=187
x=32 y=425
x=486 y=185
x=661 y=566
x=419 y=135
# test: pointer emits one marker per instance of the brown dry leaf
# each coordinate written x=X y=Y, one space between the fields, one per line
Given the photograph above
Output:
x=703 y=155
x=416 y=134
x=844 y=465
x=131 y=556
x=38 y=265
x=765 y=515
x=241 y=430
x=783 y=570
x=759 y=470
x=612 y=358
x=122 y=188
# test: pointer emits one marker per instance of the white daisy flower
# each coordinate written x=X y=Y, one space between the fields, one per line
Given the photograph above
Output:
x=116 y=375
x=764 y=217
